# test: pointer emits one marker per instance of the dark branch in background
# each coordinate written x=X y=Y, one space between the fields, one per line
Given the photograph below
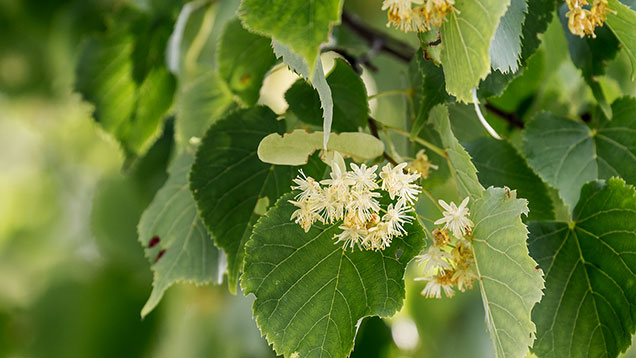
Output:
x=374 y=130
x=378 y=40
x=509 y=117
x=354 y=61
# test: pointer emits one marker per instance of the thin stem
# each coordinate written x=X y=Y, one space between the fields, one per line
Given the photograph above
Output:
x=419 y=140
x=425 y=218
x=201 y=37
x=428 y=232
x=406 y=92
x=432 y=199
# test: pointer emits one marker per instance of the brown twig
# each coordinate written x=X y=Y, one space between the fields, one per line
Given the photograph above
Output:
x=509 y=117
x=374 y=131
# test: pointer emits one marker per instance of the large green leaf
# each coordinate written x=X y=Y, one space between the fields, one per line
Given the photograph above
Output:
x=228 y=180
x=295 y=148
x=466 y=37
x=176 y=242
x=351 y=107
x=244 y=58
x=203 y=98
x=300 y=25
x=505 y=47
x=461 y=167
x=499 y=164
x=567 y=153
x=622 y=24
x=589 y=264
x=130 y=100
x=310 y=293
x=509 y=282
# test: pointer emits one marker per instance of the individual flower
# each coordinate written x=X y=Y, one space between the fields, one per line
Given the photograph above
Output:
x=363 y=178
x=329 y=205
x=436 y=284
x=421 y=165
x=379 y=237
x=305 y=216
x=351 y=236
x=396 y=216
x=440 y=237
x=339 y=182
x=464 y=277
x=455 y=218
x=307 y=185
x=435 y=260
x=400 y=184
x=435 y=11
x=363 y=203
x=399 y=12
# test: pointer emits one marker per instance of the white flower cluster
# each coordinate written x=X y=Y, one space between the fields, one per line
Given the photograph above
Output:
x=425 y=15
x=449 y=260
x=352 y=196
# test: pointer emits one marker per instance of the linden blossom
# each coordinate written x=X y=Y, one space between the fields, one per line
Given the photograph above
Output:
x=350 y=196
x=407 y=18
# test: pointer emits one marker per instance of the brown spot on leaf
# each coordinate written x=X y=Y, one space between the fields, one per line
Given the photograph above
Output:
x=245 y=79
x=160 y=254
x=153 y=242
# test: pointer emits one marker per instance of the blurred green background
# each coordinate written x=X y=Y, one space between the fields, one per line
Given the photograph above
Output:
x=73 y=277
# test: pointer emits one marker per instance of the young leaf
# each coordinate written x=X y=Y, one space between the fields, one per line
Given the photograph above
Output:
x=566 y=153
x=175 y=240
x=505 y=46
x=203 y=98
x=351 y=107
x=300 y=25
x=317 y=80
x=244 y=58
x=509 y=283
x=228 y=180
x=295 y=148
x=499 y=164
x=589 y=265
x=466 y=37
x=461 y=167
x=622 y=23
x=310 y=293
x=129 y=103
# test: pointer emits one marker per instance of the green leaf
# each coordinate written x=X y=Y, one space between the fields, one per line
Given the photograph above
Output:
x=461 y=167
x=228 y=180
x=129 y=107
x=176 y=242
x=295 y=148
x=300 y=25
x=428 y=82
x=244 y=58
x=538 y=18
x=589 y=265
x=466 y=37
x=351 y=108
x=505 y=47
x=622 y=25
x=567 y=153
x=203 y=98
x=591 y=55
x=509 y=283
x=316 y=78
x=310 y=293
x=499 y=164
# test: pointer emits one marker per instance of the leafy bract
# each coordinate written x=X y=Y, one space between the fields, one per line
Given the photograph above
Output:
x=622 y=24
x=310 y=293
x=295 y=148
x=461 y=167
x=567 y=153
x=509 y=283
x=175 y=240
x=130 y=97
x=351 y=107
x=228 y=180
x=244 y=58
x=499 y=164
x=505 y=47
x=589 y=265
x=466 y=37
x=203 y=98
x=300 y=25
x=316 y=78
